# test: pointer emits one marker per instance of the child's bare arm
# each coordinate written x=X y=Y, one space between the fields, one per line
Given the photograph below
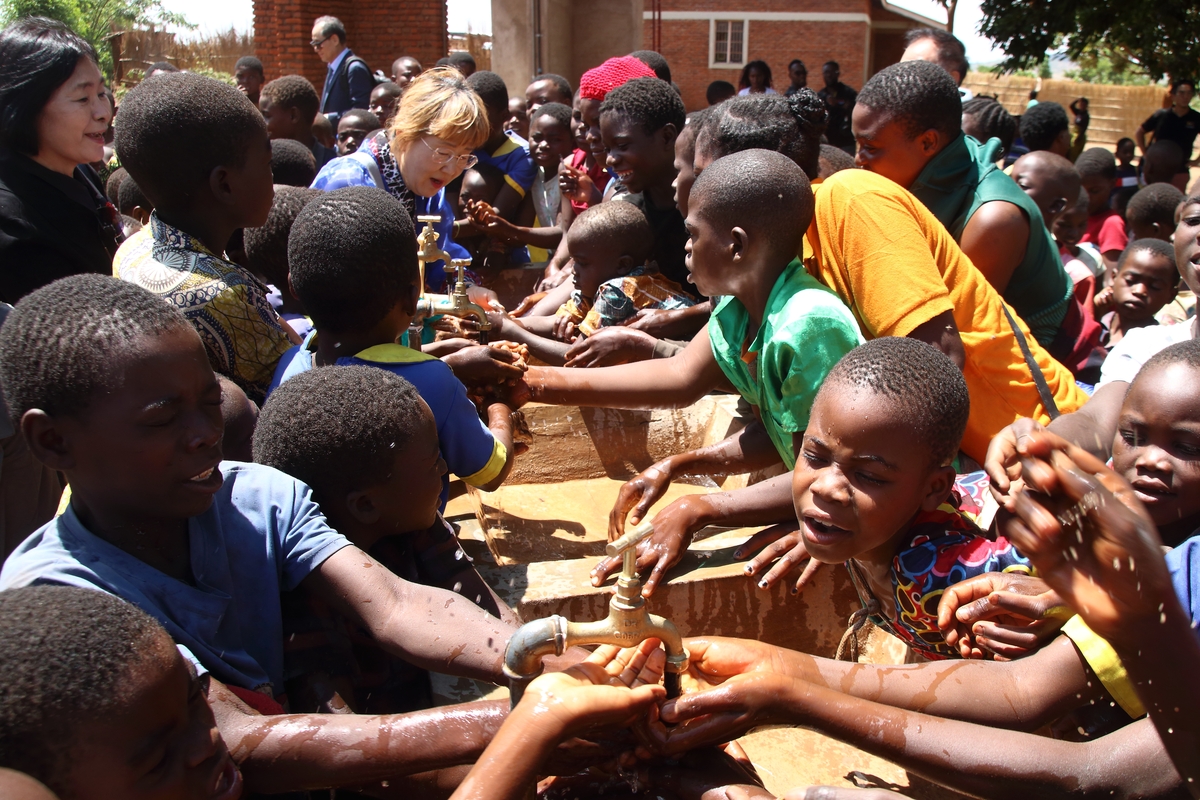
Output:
x=536 y=334
x=297 y=752
x=500 y=424
x=430 y=627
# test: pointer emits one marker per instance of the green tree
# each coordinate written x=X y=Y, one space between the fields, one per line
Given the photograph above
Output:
x=1157 y=37
x=96 y=20
x=1102 y=64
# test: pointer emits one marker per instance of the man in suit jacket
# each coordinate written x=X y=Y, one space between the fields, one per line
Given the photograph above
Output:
x=348 y=81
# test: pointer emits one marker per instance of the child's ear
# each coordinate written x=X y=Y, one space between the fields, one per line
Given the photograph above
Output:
x=739 y=243
x=937 y=488
x=46 y=440
x=409 y=298
x=362 y=507
x=669 y=133
x=140 y=214
x=625 y=265
x=929 y=142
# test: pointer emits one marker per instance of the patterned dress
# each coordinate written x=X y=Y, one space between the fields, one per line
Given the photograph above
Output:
x=619 y=299
x=242 y=334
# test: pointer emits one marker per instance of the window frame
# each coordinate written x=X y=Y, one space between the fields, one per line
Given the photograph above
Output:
x=712 y=43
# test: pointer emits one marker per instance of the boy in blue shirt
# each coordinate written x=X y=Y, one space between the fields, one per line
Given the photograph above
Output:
x=504 y=150
x=111 y=386
x=360 y=285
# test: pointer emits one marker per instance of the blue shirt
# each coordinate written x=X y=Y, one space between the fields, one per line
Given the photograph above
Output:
x=1184 y=565
x=470 y=450
x=262 y=535
x=513 y=159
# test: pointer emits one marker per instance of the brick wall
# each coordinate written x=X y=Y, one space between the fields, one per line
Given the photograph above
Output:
x=378 y=32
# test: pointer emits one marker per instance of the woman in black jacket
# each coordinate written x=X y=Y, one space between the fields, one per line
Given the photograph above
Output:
x=54 y=218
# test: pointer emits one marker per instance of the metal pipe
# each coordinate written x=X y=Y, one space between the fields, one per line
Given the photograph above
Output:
x=528 y=645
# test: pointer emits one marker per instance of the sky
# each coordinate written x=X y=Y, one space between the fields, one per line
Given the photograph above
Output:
x=217 y=15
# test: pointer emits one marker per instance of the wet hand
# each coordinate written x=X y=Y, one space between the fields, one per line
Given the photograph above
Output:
x=1090 y=538
x=527 y=304
x=637 y=495
x=782 y=551
x=564 y=328
x=1005 y=614
x=482 y=365
x=1002 y=462
x=554 y=279
x=717 y=715
x=673 y=529
x=609 y=346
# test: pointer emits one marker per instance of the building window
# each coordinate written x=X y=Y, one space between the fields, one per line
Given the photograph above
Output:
x=727 y=43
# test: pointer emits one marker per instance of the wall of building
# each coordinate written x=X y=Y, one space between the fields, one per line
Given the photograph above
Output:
x=378 y=32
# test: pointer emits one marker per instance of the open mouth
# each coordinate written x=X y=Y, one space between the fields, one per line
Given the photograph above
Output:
x=823 y=533
x=624 y=175
x=1150 y=491
x=229 y=781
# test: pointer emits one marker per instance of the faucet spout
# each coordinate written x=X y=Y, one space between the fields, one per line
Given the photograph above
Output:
x=526 y=649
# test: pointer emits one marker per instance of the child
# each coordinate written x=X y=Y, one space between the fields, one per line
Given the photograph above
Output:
x=1146 y=281
x=873 y=486
x=385 y=99
x=223 y=184
x=746 y=217
x=267 y=253
x=378 y=474
x=1045 y=127
x=718 y=92
x=133 y=201
x=984 y=118
x=1080 y=259
x=1151 y=212
x=292 y=164
x=1127 y=175
x=505 y=151
x=1105 y=229
x=355 y=126
x=609 y=244
x=360 y=285
x=249 y=76
x=518 y=118
x=112 y=387
x=1050 y=181
x=547 y=88
x=289 y=105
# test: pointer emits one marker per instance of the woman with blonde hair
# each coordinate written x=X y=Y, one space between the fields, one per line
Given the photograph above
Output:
x=429 y=143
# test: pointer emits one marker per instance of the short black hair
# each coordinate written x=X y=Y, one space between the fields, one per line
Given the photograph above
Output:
x=112 y=187
x=490 y=87
x=648 y=101
x=66 y=657
x=170 y=115
x=561 y=113
x=1155 y=203
x=758 y=64
x=352 y=255
x=161 y=66
x=132 y=195
x=762 y=191
x=249 y=62
x=1096 y=162
x=991 y=120
x=1124 y=140
x=918 y=377
x=1185 y=352
x=267 y=246
x=796 y=61
x=834 y=159
x=1042 y=124
x=1182 y=82
x=951 y=52
x=654 y=61
x=57 y=346
x=37 y=55
x=1157 y=246
x=338 y=429
x=292 y=164
x=618 y=222
x=789 y=125
x=919 y=95
x=560 y=83
x=832 y=63
x=461 y=57
x=719 y=92
x=372 y=121
x=294 y=91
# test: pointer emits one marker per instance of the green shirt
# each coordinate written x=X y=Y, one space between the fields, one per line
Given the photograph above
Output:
x=953 y=186
x=805 y=331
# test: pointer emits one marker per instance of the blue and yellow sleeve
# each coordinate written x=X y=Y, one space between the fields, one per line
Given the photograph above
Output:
x=471 y=451
x=1107 y=665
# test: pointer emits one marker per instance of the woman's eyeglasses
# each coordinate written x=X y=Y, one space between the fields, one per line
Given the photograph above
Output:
x=442 y=157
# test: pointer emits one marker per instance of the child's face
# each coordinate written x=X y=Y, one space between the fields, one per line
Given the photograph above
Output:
x=757 y=79
x=1145 y=283
x=708 y=253
x=163 y=743
x=282 y=122
x=578 y=129
x=589 y=117
x=549 y=142
x=798 y=75
x=428 y=163
x=352 y=129
x=249 y=82
x=884 y=146
x=597 y=259
x=860 y=477
x=148 y=450
x=407 y=498
x=1157 y=447
x=383 y=104
x=1125 y=152
x=1046 y=192
x=1070 y=226
x=71 y=126
x=541 y=92
x=685 y=174
x=639 y=159
x=1098 y=189
x=1187 y=246
x=518 y=118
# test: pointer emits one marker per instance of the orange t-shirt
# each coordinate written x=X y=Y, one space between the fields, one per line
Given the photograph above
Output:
x=897 y=267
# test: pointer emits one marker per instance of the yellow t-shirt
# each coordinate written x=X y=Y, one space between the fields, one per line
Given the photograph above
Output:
x=897 y=267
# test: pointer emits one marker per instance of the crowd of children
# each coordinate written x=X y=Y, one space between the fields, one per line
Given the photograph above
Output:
x=972 y=387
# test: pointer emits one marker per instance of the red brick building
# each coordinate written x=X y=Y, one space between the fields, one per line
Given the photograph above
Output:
x=379 y=32
x=711 y=40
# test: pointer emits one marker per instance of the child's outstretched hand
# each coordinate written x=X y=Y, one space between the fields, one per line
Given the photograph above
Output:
x=575 y=184
x=782 y=550
x=1089 y=537
x=608 y=346
x=1003 y=614
x=564 y=328
x=484 y=365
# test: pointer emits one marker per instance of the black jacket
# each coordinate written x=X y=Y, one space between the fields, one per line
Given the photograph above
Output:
x=51 y=226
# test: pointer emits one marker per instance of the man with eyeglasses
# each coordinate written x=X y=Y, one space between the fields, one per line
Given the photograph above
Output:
x=348 y=81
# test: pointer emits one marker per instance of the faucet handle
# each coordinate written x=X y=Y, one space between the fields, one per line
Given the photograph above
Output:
x=629 y=540
x=429 y=219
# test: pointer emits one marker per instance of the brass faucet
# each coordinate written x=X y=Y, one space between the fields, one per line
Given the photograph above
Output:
x=457 y=303
x=628 y=624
